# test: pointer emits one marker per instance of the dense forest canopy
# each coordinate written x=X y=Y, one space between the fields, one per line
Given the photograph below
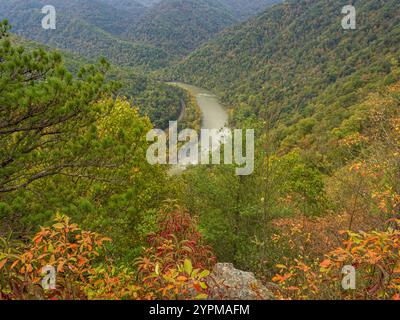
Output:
x=102 y=14
x=147 y=3
x=136 y=7
x=88 y=28
x=319 y=97
x=179 y=26
x=243 y=9
x=159 y=101
x=264 y=59
x=144 y=36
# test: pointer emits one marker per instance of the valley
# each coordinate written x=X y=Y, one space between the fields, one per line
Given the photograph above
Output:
x=317 y=107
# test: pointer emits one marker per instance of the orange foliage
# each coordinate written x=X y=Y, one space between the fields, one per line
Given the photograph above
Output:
x=84 y=271
x=173 y=244
x=374 y=255
x=316 y=235
x=64 y=246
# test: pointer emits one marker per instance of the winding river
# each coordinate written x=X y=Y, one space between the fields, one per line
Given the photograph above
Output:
x=214 y=115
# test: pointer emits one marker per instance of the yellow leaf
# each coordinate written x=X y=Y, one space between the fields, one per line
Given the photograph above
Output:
x=58 y=225
x=187 y=265
x=204 y=274
x=201 y=296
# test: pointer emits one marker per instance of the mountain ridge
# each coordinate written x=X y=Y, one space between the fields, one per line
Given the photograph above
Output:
x=264 y=56
x=179 y=26
x=81 y=30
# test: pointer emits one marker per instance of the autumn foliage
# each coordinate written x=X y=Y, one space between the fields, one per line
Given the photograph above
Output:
x=176 y=243
x=85 y=271
x=368 y=190
x=374 y=255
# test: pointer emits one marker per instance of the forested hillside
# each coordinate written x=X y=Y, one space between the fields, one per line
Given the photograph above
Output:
x=262 y=66
x=243 y=9
x=111 y=16
x=88 y=28
x=179 y=26
x=128 y=33
x=291 y=54
x=324 y=103
x=159 y=101
x=134 y=8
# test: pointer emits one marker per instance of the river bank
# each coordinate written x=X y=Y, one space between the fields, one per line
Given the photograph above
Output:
x=213 y=114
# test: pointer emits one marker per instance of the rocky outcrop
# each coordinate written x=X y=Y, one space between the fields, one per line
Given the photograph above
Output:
x=227 y=283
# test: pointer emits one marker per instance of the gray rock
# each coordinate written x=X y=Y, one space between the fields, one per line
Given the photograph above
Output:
x=227 y=283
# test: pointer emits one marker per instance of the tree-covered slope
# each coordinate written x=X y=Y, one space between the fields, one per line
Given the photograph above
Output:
x=243 y=9
x=88 y=28
x=129 y=33
x=146 y=3
x=133 y=8
x=179 y=26
x=297 y=52
x=111 y=16
x=158 y=100
x=324 y=103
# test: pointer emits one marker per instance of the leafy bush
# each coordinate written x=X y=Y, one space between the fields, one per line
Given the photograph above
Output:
x=374 y=255
x=84 y=270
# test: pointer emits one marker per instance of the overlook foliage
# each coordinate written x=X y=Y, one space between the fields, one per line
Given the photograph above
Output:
x=325 y=106
x=67 y=145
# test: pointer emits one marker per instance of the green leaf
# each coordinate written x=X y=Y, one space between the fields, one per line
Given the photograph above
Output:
x=204 y=274
x=187 y=266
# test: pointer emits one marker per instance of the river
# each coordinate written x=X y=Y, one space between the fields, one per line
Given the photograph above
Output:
x=214 y=115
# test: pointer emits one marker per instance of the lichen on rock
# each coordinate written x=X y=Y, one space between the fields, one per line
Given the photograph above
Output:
x=228 y=283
